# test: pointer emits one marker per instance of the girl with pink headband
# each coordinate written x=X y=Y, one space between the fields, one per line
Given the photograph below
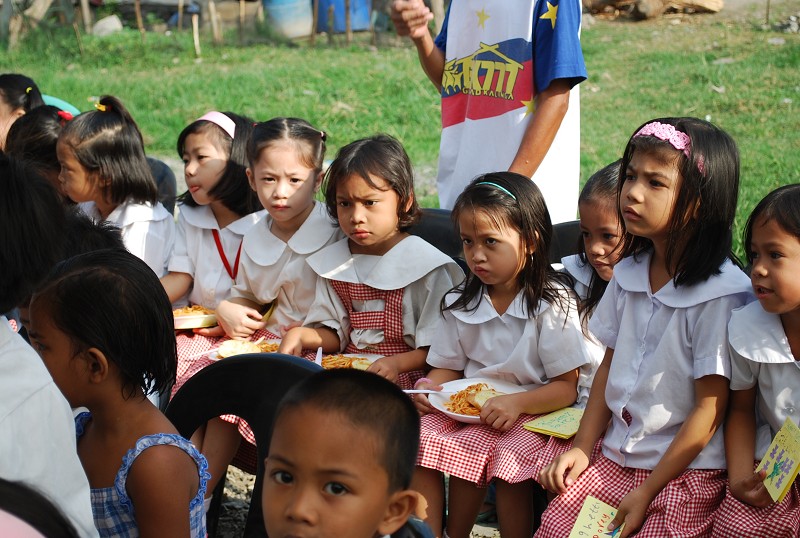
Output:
x=660 y=395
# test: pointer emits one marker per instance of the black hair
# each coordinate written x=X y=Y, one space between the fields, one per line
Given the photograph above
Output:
x=33 y=138
x=25 y=503
x=781 y=205
x=370 y=402
x=31 y=230
x=109 y=145
x=19 y=91
x=232 y=189
x=381 y=156
x=84 y=235
x=699 y=238
x=601 y=188
x=111 y=300
x=510 y=199
x=309 y=140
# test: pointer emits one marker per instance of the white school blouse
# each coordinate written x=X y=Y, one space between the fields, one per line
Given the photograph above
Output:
x=760 y=354
x=662 y=342
x=273 y=270
x=516 y=346
x=425 y=273
x=196 y=253
x=148 y=231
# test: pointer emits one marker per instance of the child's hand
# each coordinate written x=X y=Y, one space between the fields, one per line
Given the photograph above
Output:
x=421 y=401
x=210 y=331
x=286 y=328
x=385 y=367
x=501 y=412
x=751 y=490
x=239 y=321
x=410 y=17
x=631 y=512
x=564 y=470
x=292 y=342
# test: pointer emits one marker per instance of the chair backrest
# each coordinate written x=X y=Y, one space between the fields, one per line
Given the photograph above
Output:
x=565 y=240
x=248 y=386
x=436 y=227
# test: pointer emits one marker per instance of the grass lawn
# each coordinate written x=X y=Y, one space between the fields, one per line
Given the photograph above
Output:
x=723 y=67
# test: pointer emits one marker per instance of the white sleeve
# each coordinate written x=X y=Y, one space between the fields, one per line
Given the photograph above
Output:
x=446 y=350
x=328 y=311
x=180 y=261
x=151 y=241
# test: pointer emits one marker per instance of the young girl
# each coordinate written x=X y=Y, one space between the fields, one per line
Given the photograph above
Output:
x=662 y=384
x=514 y=320
x=104 y=169
x=381 y=286
x=765 y=379
x=18 y=96
x=103 y=327
x=285 y=172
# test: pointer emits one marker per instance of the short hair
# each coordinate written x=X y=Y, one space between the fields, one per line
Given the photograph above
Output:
x=309 y=140
x=384 y=157
x=19 y=91
x=108 y=144
x=31 y=230
x=84 y=235
x=370 y=402
x=700 y=236
x=33 y=137
x=232 y=189
x=111 y=300
x=780 y=205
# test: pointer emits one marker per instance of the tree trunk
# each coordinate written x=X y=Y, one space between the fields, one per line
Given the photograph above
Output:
x=32 y=15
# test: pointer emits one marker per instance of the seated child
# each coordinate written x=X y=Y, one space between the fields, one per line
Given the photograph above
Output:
x=317 y=481
x=102 y=324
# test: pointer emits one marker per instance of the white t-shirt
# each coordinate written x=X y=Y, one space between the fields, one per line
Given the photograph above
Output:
x=760 y=354
x=273 y=270
x=516 y=346
x=37 y=432
x=423 y=271
x=196 y=252
x=662 y=343
x=148 y=231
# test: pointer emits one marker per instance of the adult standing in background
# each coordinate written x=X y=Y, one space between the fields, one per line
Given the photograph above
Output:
x=507 y=71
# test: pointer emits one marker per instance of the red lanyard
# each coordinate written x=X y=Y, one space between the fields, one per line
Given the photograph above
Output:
x=231 y=272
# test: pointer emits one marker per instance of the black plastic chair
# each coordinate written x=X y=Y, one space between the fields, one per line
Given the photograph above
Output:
x=436 y=227
x=248 y=386
x=565 y=240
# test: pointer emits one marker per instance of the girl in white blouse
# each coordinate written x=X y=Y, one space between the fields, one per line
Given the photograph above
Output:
x=765 y=381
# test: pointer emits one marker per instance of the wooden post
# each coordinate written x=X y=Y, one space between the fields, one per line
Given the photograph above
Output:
x=86 y=14
x=314 y=21
x=78 y=37
x=241 y=22
x=137 y=8
x=196 y=33
x=180 y=15
x=437 y=6
x=348 y=27
x=330 y=24
x=215 y=30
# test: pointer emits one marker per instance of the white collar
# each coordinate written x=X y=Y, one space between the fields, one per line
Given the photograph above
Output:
x=392 y=271
x=128 y=212
x=203 y=217
x=577 y=269
x=757 y=335
x=265 y=248
x=634 y=275
x=484 y=309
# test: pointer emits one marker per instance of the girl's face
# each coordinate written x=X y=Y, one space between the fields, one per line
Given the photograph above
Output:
x=776 y=264
x=647 y=200
x=8 y=116
x=203 y=165
x=601 y=234
x=495 y=255
x=284 y=183
x=76 y=182
x=368 y=215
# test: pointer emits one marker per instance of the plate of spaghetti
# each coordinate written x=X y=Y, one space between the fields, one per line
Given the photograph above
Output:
x=457 y=407
x=193 y=317
x=349 y=360
x=232 y=347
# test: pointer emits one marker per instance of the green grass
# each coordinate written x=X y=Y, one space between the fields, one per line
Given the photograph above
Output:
x=705 y=66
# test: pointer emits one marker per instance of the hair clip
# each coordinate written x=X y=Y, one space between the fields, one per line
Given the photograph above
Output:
x=29 y=89
x=323 y=135
x=668 y=133
x=505 y=190
x=64 y=115
x=101 y=107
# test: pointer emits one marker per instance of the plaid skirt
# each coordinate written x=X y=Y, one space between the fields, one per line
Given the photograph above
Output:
x=478 y=453
x=684 y=508
x=778 y=520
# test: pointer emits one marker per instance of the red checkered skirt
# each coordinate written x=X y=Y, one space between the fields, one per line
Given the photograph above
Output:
x=684 y=508
x=557 y=446
x=476 y=452
x=389 y=320
x=778 y=520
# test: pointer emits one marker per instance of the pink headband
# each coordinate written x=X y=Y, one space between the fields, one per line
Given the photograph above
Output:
x=667 y=133
x=221 y=120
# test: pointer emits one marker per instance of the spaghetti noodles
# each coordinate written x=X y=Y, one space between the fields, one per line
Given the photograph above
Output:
x=192 y=310
x=458 y=402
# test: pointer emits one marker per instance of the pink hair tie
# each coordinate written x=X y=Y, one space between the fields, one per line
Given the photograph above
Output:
x=221 y=120
x=667 y=133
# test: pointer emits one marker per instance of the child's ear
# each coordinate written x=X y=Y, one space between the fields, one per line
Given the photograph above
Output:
x=250 y=179
x=530 y=249
x=409 y=203
x=96 y=365
x=401 y=505
x=318 y=181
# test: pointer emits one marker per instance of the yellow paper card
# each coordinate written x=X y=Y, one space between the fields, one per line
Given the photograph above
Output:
x=593 y=520
x=782 y=460
x=562 y=423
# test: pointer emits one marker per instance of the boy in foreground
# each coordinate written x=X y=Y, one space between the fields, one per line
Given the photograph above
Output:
x=341 y=458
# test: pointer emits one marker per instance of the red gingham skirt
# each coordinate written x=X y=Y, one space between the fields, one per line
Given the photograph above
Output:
x=476 y=452
x=778 y=520
x=684 y=508
x=557 y=446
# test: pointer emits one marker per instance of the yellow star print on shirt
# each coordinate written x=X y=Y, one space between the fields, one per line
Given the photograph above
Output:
x=482 y=17
x=552 y=13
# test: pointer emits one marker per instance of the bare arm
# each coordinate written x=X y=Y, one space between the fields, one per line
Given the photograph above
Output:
x=740 y=440
x=239 y=317
x=392 y=365
x=551 y=107
x=176 y=285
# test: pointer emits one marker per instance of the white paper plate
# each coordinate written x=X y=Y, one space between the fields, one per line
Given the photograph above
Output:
x=371 y=357
x=438 y=400
x=195 y=321
x=214 y=355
